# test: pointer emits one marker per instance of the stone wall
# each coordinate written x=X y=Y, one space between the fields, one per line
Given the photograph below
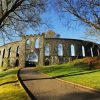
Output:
x=66 y=43
x=15 y=53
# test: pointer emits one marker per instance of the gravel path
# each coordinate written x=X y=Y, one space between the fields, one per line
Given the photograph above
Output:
x=46 y=88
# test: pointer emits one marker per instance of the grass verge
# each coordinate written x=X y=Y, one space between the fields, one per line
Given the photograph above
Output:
x=10 y=87
x=75 y=72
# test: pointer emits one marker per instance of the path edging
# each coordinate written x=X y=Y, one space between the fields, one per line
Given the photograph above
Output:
x=26 y=89
x=75 y=84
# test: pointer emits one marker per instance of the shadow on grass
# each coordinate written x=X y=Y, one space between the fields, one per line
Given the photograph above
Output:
x=8 y=82
x=71 y=96
x=8 y=73
x=65 y=68
x=76 y=73
x=61 y=76
x=52 y=69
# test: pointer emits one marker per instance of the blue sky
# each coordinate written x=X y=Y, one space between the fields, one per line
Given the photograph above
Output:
x=77 y=32
x=58 y=26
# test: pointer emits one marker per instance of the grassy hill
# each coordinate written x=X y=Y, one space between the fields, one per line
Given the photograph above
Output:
x=81 y=71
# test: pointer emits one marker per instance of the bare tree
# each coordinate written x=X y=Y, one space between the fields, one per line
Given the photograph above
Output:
x=92 y=34
x=17 y=15
x=50 y=34
x=87 y=11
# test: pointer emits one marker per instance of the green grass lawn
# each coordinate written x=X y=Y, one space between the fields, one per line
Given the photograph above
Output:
x=75 y=73
x=10 y=87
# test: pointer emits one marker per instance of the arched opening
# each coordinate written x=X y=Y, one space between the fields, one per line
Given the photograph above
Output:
x=28 y=42
x=9 y=52
x=47 y=50
x=83 y=51
x=37 y=43
x=47 y=62
x=60 y=50
x=17 y=52
x=94 y=50
x=68 y=50
x=17 y=63
x=98 y=52
x=91 y=52
x=31 y=59
x=3 y=53
x=8 y=62
x=72 y=50
x=2 y=64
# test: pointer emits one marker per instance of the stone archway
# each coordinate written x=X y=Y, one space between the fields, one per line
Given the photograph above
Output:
x=17 y=63
x=31 y=59
x=47 y=62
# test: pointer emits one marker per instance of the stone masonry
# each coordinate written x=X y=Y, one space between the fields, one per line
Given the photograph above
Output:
x=15 y=53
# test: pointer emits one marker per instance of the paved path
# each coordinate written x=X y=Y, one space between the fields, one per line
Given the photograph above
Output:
x=45 y=88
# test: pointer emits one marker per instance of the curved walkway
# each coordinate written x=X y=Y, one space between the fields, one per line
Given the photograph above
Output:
x=42 y=87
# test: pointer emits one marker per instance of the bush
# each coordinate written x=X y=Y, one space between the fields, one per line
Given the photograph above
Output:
x=88 y=62
x=93 y=62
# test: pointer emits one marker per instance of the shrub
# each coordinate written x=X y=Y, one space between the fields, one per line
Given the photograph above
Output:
x=88 y=62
